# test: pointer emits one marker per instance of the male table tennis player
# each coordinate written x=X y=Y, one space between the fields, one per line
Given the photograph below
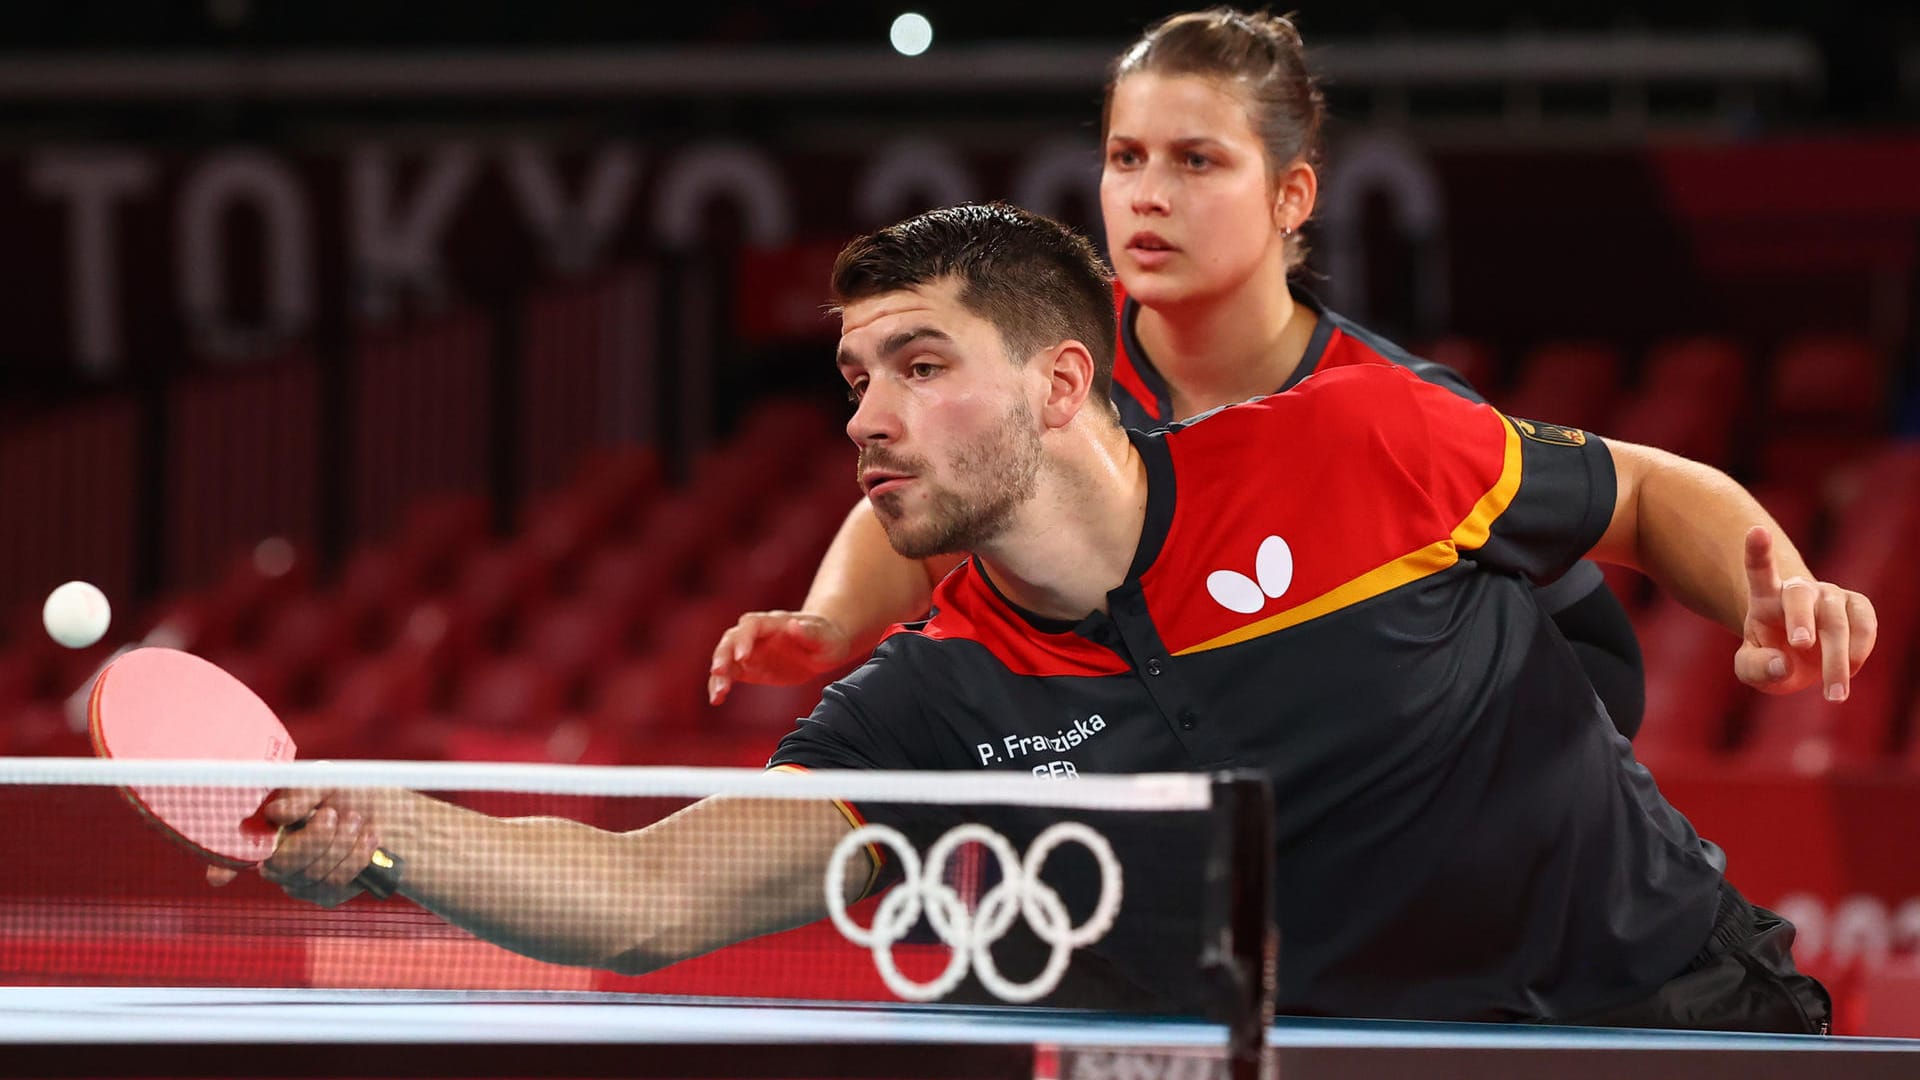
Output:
x=1460 y=832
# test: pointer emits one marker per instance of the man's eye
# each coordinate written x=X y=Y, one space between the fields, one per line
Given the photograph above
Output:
x=924 y=371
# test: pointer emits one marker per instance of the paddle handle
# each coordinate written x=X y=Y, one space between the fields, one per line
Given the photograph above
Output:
x=381 y=878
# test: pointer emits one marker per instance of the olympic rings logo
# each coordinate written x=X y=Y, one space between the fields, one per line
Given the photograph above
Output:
x=972 y=934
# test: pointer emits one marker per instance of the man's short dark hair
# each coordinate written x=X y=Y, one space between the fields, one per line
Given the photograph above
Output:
x=1038 y=282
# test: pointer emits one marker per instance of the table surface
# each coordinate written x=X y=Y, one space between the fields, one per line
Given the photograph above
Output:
x=89 y=1031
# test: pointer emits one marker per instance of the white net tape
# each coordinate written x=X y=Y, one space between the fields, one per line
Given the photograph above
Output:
x=1143 y=792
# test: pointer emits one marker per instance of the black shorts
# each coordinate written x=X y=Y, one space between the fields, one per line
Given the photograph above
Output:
x=1743 y=979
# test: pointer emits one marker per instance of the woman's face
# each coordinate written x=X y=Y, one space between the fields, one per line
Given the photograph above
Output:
x=1189 y=205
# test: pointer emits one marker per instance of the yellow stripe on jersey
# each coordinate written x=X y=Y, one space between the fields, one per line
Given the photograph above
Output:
x=1478 y=524
x=1413 y=566
x=1471 y=533
x=875 y=859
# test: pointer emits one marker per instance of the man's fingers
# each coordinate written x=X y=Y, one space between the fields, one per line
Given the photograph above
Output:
x=1763 y=583
x=293 y=805
x=346 y=855
x=1798 y=598
x=299 y=848
x=220 y=875
x=1863 y=628
x=1831 y=614
x=1759 y=667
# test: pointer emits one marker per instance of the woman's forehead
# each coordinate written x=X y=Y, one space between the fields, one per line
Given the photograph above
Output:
x=1153 y=103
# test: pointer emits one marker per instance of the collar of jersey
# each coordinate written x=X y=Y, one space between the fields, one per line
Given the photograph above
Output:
x=1154 y=381
x=1152 y=447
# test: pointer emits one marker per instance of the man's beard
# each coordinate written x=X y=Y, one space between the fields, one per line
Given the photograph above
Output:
x=1001 y=471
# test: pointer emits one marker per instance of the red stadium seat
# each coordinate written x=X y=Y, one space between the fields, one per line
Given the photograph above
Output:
x=616 y=484
x=1709 y=367
x=439 y=533
x=678 y=529
x=708 y=750
x=628 y=582
x=1691 y=425
x=375 y=592
x=568 y=742
x=642 y=699
x=1828 y=378
x=574 y=640
x=1692 y=693
x=23 y=677
x=686 y=633
x=774 y=568
x=1571 y=383
x=365 y=705
x=835 y=463
x=430 y=633
x=43 y=729
x=559 y=528
x=1797 y=509
x=306 y=632
x=260 y=580
x=765 y=713
x=508 y=693
x=779 y=427
x=1809 y=458
x=1825 y=407
x=193 y=622
x=1474 y=360
x=493 y=588
x=731 y=485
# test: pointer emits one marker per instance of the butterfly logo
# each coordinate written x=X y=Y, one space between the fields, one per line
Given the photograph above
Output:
x=1273 y=573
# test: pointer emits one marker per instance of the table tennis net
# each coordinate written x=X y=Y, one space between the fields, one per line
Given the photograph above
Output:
x=1117 y=893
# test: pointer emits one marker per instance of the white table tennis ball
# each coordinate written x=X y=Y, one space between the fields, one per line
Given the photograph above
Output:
x=76 y=614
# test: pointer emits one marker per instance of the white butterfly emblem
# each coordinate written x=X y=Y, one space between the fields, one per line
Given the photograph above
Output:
x=1273 y=573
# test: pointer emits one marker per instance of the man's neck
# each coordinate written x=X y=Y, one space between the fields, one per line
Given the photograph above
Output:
x=1075 y=540
x=1225 y=349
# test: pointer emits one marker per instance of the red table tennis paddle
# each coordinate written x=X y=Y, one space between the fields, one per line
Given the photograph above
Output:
x=165 y=704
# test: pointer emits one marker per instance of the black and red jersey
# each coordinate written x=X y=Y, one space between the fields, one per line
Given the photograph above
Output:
x=1461 y=834
x=1141 y=395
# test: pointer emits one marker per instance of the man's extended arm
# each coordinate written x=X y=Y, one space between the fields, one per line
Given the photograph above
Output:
x=717 y=872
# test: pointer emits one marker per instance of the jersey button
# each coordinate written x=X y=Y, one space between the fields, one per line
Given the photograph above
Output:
x=1153 y=666
x=1187 y=720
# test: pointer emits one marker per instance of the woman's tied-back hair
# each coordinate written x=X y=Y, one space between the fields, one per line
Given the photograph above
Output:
x=1258 y=55
x=1038 y=282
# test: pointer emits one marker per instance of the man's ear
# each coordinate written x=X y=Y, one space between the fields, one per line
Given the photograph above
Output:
x=1069 y=381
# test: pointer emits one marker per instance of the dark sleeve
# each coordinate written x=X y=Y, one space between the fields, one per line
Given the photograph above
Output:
x=1577 y=583
x=1602 y=637
x=1552 y=501
x=872 y=719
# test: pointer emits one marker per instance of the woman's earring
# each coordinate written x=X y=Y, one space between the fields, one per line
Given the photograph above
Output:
x=1286 y=232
